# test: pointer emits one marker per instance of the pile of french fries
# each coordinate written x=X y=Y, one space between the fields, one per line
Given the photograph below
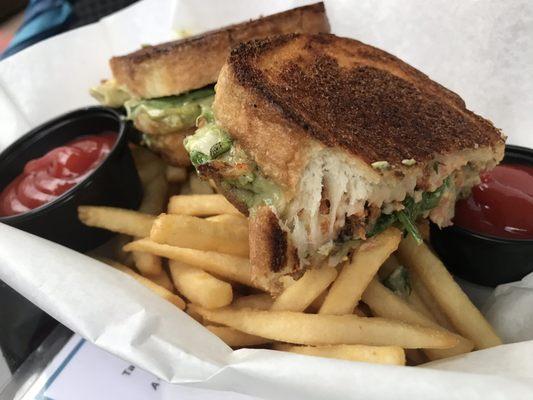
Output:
x=196 y=257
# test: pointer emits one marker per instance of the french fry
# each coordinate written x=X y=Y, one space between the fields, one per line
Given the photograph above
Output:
x=392 y=355
x=159 y=290
x=199 y=286
x=231 y=219
x=155 y=196
x=419 y=290
x=262 y=301
x=322 y=329
x=176 y=174
x=236 y=269
x=416 y=302
x=197 y=233
x=162 y=279
x=193 y=314
x=384 y=303
x=388 y=267
x=147 y=264
x=305 y=290
x=118 y=220
x=235 y=338
x=463 y=315
x=354 y=277
x=203 y=205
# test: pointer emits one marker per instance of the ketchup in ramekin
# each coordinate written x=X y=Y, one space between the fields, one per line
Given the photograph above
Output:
x=491 y=241
x=501 y=205
x=46 y=178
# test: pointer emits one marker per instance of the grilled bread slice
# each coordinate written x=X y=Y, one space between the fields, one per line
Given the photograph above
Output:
x=351 y=136
x=183 y=65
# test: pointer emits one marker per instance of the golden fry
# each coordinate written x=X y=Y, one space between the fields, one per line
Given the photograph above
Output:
x=203 y=205
x=416 y=302
x=463 y=315
x=305 y=290
x=323 y=329
x=159 y=290
x=200 y=287
x=354 y=277
x=197 y=233
x=419 y=290
x=231 y=219
x=392 y=355
x=261 y=301
x=235 y=338
x=118 y=220
x=193 y=314
x=162 y=279
x=388 y=267
x=236 y=269
x=386 y=304
x=147 y=264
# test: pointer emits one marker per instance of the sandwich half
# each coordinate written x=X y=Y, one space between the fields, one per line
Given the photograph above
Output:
x=325 y=142
x=164 y=88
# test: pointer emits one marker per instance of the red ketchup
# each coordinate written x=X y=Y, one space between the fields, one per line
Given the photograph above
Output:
x=46 y=178
x=501 y=205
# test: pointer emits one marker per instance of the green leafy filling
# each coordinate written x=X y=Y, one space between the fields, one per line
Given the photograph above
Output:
x=406 y=218
x=210 y=142
x=177 y=111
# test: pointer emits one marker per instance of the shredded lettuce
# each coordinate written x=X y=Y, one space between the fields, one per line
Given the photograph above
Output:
x=409 y=225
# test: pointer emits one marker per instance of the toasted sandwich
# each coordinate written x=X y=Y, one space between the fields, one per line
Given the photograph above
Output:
x=165 y=88
x=325 y=141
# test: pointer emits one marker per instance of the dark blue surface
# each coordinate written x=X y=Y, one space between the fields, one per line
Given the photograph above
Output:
x=45 y=18
x=42 y=19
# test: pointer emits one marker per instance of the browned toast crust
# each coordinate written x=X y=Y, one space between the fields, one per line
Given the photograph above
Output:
x=307 y=90
x=183 y=65
x=271 y=253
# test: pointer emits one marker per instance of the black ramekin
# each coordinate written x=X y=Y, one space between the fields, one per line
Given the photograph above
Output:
x=484 y=259
x=114 y=183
